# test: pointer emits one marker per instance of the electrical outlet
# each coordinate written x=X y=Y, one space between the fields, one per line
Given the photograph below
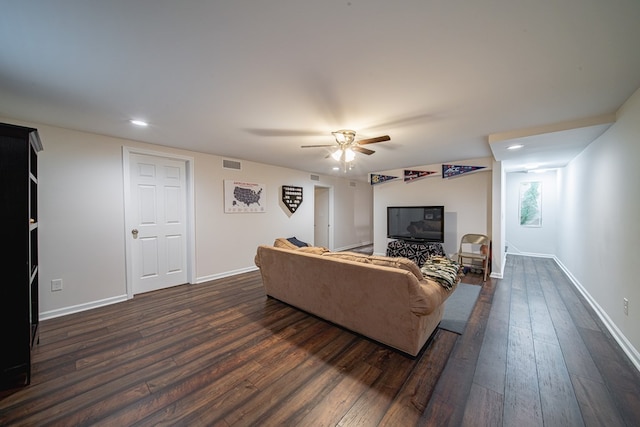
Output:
x=625 y=301
x=56 y=285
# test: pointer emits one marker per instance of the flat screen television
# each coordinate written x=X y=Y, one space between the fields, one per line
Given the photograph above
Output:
x=416 y=223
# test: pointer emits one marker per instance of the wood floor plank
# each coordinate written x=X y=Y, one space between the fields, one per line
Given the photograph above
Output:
x=292 y=381
x=576 y=354
x=318 y=399
x=414 y=396
x=558 y=399
x=596 y=404
x=492 y=359
x=484 y=408
x=395 y=368
x=522 y=405
x=622 y=381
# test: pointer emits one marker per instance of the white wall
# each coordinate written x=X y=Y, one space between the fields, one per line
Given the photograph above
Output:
x=498 y=228
x=599 y=228
x=539 y=241
x=467 y=200
x=81 y=216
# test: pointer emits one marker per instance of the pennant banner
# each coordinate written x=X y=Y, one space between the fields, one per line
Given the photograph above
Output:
x=376 y=178
x=454 y=170
x=411 y=175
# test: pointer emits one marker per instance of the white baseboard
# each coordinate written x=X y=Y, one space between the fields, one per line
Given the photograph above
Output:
x=225 y=274
x=357 y=245
x=81 y=307
x=532 y=254
x=499 y=274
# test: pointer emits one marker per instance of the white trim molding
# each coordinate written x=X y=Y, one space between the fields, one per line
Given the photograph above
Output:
x=81 y=307
x=225 y=274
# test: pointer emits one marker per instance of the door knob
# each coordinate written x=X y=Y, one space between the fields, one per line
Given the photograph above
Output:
x=134 y=232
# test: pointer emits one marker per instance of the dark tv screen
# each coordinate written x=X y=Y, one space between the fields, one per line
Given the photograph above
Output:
x=416 y=223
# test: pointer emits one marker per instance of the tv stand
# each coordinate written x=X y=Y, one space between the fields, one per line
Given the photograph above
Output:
x=417 y=252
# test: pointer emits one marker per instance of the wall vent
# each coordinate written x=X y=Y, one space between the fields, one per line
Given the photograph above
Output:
x=352 y=184
x=231 y=164
x=315 y=177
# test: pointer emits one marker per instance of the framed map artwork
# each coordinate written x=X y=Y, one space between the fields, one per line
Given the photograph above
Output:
x=244 y=197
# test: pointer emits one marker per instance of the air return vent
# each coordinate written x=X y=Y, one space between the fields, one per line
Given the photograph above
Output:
x=352 y=184
x=231 y=164
x=315 y=178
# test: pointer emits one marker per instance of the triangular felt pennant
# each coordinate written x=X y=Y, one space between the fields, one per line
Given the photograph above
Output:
x=411 y=175
x=454 y=170
x=376 y=178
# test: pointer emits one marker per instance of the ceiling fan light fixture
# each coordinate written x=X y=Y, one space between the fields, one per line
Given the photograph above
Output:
x=344 y=136
x=349 y=155
x=337 y=155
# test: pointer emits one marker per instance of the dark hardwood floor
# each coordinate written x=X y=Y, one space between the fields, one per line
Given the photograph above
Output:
x=222 y=353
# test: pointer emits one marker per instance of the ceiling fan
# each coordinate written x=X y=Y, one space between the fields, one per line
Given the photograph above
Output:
x=348 y=146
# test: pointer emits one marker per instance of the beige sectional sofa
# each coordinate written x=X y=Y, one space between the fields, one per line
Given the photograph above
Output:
x=386 y=299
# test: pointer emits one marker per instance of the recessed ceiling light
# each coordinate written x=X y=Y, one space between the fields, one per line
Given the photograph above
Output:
x=335 y=168
x=139 y=123
x=515 y=147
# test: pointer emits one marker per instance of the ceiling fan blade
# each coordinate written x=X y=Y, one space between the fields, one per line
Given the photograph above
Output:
x=363 y=150
x=374 y=140
x=316 y=146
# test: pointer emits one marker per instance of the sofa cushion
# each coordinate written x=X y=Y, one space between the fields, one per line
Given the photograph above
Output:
x=401 y=263
x=349 y=256
x=283 y=243
x=318 y=250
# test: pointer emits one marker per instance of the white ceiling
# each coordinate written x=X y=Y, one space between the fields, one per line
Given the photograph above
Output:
x=256 y=80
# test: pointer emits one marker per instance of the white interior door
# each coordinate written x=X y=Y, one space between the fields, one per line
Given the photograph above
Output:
x=321 y=217
x=158 y=222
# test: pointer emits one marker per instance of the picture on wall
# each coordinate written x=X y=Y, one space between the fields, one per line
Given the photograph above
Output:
x=292 y=197
x=530 y=204
x=241 y=197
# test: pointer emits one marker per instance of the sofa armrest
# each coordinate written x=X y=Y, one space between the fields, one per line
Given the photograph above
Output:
x=429 y=296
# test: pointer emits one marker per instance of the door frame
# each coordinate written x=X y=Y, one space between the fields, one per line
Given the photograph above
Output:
x=190 y=219
x=329 y=208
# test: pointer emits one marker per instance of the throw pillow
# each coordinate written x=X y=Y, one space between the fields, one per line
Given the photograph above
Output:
x=297 y=242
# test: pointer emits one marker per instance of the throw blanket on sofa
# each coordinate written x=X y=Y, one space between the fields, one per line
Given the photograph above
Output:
x=442 y=270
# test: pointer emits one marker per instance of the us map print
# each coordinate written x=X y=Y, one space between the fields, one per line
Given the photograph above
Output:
x=241 y=197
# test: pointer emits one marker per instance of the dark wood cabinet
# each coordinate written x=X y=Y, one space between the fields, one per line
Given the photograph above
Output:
x=19 y=147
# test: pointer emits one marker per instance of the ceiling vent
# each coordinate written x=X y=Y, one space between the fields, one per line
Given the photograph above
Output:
x=315 y=177
x=231 y=164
